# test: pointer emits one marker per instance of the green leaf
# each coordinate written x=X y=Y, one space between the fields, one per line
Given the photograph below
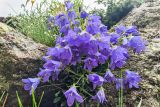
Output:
x=2 y=96
x=19 y=100
x=34 y=99
x=41 y=99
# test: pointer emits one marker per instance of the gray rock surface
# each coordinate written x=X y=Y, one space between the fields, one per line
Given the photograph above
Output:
x=20 y=57
x=147 y=19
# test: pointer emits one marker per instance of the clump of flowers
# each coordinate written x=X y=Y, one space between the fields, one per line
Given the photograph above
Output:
x=83 y=46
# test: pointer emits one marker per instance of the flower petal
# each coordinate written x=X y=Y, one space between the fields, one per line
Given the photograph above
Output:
x=79 y=99
x=70 y=100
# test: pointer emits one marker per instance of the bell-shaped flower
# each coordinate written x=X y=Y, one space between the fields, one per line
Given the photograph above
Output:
x=66 y=55
x=94 y=19
x=65 y=29
x=120 y=29
x=61 y=20
x=54 y=52
x=100 y=96
x=90 y=63
x=103 y=29
x=93 y=28
x=72 y=15
x=96 y=80
x=119 y=83
x=137 y=44
x=114 y=38
x=132 y=79
x=52 y=65
x=118 y=57
x=83 y=15
x=31 y=84
x=77 y=29
x=68 y=4
x=45 y=74
x=109 y=76
x=132 y=30
x=72 y=95
x=100 y=58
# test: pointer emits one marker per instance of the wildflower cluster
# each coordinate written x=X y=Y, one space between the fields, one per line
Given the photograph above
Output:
x=84 y=41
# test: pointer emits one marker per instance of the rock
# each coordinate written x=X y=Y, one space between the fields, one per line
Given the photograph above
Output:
x=147 y=19
x=20 y=57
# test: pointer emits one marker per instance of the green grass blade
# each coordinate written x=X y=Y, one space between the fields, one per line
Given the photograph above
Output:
x=41 y=99
x=2 y=96
x=34 y=99
x=19 y=100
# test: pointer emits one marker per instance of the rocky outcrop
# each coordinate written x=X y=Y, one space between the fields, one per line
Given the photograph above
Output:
x=20 y=57
x=147 y=19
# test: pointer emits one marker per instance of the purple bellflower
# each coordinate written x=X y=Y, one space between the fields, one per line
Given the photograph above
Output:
x=45 y=74
x=90 y=63
x=114 y=38
x=100 y=58
x=72 y=15
x=61 y=20
x=55 y=75
x=68 y=4
x=84 y=42
x=66 y=55
x=137 y=44
x=119 y=83
x=118 y=57
x=92 y=47
x=31 y=84
x=52 y=65
x=93 y=29
x=103 y=29
x=96 y=80
x=109 y=76
x=94 y=19
x=77 y=29
x=132 y=79
x=83 y=15
x=132 y=30
x=72 y=95
x=54 y=52
x=120 y=29
x=65 y=29
x=100 y=96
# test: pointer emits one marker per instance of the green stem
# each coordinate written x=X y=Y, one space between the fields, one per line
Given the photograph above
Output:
x=41 y=99
x=86 y=92
x=121 y=90
x=119 y=98
x=98 y=105
x=79 y=79
x=67 y=69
